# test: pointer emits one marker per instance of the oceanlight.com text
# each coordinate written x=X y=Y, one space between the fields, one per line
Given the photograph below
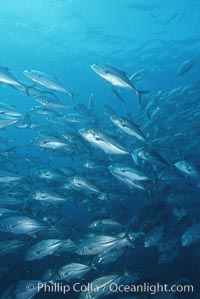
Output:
x=112 y=288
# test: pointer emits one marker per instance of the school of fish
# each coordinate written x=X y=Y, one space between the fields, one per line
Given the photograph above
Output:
x=135 y=177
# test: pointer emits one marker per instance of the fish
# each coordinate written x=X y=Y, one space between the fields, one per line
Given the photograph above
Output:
x=42 y=249
x=86 y=186
x=106 y=225
x=132 y=177
x=91 y=103
x=49 y=175
x=116 y=77
x=188 y=169
x=90 y=191
x=6 y=212
x=100 y=243
x=9 y=110
x=10 y=246
x=191 y=235
x=146 y=154
x=51 y=102
x=43 y=110
x=116 y=92
x=185 y=67
x=47 y=81
x=137 y=76
x=8 y=78
x=21 y=225
x=7 y=121
x=131 y=173
x=8 y=201
x=72 y=271
x=103 y=141
x=108 y=256
x=50 y=142
x=128 y=127
x=9 y=178
x=46 y=196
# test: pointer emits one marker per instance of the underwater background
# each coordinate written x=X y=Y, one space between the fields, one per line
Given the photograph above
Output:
x=63 y=38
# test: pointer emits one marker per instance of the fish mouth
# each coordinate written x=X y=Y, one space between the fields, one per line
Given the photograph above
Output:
x=113 y=117
x=82 y=132
x=94 y=67
x=113 y=169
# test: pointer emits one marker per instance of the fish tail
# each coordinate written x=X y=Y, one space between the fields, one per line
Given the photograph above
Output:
x=27 y=90
x=139 y=95
x=72 y=95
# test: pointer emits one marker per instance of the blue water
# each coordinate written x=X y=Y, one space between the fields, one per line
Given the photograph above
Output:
x=63 y=38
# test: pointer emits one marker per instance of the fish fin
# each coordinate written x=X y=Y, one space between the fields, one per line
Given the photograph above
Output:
x=27 y=91
x=6 y=68
x=132 y=76
x=139 y=95
x=72 y=95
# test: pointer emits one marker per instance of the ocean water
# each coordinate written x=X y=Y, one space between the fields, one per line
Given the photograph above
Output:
x=63 y=38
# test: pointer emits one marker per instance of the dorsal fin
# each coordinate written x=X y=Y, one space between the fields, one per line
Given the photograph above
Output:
x=6 y=68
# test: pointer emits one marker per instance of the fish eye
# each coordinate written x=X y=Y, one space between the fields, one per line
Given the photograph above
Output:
x=41 y=194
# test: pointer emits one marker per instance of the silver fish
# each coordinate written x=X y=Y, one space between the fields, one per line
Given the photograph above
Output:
x=128 y=127
x=131 y=173
x=106 y=225
x=9 y=110
x=103 y=141
x=48 y=196
x=116 y=77
x=83 y=184
x=46 y=81
x=7 y=77
x=51 y=103
x=72 y=271
x=51 y=142
x=133 y=178
x=6 y=121
x=137 y=76
x=21 y=225
x=189 y=170
x=7 y=177
x=49 y=175
x=42 y=249
x=98 y=244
